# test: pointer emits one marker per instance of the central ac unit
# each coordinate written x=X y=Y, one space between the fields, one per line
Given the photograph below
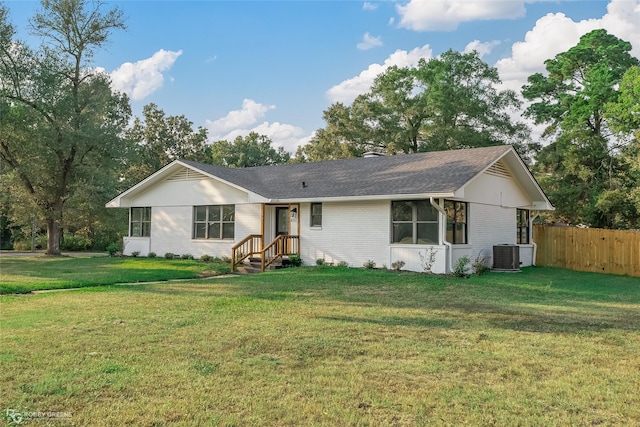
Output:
x=506 y=257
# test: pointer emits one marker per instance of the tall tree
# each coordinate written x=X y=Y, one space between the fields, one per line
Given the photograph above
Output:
x=335 y=140
x=582 y=169
x=158 y=139
x=60 y=119
x=624 y=120
x=249 y=151
x=447 y=102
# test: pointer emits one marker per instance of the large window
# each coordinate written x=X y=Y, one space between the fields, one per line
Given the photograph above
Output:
x=140 y=222
x=214 y=222
x=316 y=214
x=415 y=222
x=522 y=218
x=456 y=221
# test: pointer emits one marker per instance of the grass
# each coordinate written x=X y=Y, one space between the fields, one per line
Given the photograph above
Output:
x=26 y=274
x=330 y=346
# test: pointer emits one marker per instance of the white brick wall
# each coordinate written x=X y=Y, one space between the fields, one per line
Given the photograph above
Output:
x=171 y=231
x=172 y=205
x=494 y=225
x=354 y=232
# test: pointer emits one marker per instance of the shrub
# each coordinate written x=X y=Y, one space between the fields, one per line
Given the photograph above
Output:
x=22 y=245
x=226 y=259
x=25 y=245
x=72 y=242
x=169 y=255
x=320 y=261
x=206 y=258
x=152 y=255
x=295 y=260
x=369 y=264
x=397 y=265
x=343 y=264
x=427 y=260
x=186 y=256
x=112 y=248
x=460 y=267
x=481 y=264
x=135 y=254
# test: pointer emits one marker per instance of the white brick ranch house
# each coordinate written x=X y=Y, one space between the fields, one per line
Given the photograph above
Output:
x=380 y=208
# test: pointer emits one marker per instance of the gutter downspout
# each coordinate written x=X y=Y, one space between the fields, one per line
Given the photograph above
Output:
x=443 y=228
x=535 y=247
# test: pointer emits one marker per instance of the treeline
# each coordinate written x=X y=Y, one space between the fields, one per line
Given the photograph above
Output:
x=67 y=145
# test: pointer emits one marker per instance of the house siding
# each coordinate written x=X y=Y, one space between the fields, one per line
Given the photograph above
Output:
x=492 y=215
x=494 y=225
x=172 y=205
x=188 y=193
x=354 y=232
x=496 y=190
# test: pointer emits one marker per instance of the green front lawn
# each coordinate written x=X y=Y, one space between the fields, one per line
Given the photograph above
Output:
x=26 y=274
x=330 y=346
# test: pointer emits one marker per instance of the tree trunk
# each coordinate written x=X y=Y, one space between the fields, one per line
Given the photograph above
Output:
x=53 y=237
x=54 y=228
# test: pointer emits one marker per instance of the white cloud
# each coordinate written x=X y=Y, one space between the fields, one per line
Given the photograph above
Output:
x=483 y=48
x=434 y=15
x=369 y=6
x=369 y=42
x=250 y=113
x=142 y=78
x=242 y=122
x=349 y=89
x=556 y=33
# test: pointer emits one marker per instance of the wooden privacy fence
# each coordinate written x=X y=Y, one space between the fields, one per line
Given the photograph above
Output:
x=588 y=249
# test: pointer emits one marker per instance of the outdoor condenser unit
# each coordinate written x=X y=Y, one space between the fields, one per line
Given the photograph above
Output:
x=506 y=257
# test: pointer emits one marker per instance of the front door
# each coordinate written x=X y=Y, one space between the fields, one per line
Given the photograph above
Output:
x=282 y=221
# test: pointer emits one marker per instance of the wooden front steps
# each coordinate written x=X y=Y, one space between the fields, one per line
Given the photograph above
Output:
x=253 y=265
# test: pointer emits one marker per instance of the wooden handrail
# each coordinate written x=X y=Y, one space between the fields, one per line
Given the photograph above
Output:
x=250 y=245
x=280 y=246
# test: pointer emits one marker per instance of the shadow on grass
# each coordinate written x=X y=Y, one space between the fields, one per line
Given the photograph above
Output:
x=415 y=322
x=536 y=300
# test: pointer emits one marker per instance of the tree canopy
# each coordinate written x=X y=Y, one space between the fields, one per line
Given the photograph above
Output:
x=157 y=140
x=60 y=119
x=447 y=102
x=249 y=151
x=585 y=167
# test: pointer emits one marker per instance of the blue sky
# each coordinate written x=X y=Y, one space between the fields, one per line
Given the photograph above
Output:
x=274 y=66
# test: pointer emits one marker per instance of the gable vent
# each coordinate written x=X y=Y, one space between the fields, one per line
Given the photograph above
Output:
x=185 y=175
x=499 y=169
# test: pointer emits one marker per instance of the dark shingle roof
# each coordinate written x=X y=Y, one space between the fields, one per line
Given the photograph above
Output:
x=421 y=173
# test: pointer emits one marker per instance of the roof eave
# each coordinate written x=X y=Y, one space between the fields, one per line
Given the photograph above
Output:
x=362 y=198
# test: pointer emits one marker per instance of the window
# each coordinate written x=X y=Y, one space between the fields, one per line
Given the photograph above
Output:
x=456 y=221
x=316 y=214
x=414 y=222
x=522 y=218
x=214 y=222
x=140 y=222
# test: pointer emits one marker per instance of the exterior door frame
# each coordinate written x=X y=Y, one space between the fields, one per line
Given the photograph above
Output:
x=282 y=214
